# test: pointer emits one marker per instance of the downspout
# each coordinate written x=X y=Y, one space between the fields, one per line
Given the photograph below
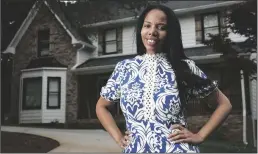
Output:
x=77 y=57
x=244 y=106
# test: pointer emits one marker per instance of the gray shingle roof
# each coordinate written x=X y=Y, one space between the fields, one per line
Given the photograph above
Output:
x=113 y=10
x=197 y=51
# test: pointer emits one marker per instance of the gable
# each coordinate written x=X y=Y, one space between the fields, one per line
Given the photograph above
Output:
x=38 y=7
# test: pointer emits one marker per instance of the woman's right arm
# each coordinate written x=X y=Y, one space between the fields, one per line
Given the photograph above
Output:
x=108 y=121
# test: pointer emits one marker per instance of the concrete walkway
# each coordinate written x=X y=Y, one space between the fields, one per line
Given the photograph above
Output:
x=73 y=140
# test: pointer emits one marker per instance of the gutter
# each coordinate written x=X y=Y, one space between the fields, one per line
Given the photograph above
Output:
x=177 y=12
x=108 y=68
x=118 y=21
x=94 y=70
x=205 y=7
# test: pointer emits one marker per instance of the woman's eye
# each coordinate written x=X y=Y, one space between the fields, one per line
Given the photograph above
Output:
x=162 y=27
x=147 y=26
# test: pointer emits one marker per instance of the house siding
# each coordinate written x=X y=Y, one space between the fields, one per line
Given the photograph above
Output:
x=60 y=48
x=129 y=39
x=44 y=115
x=94 y=38
x=31 y=116
x=187 y=24
x=54 y=115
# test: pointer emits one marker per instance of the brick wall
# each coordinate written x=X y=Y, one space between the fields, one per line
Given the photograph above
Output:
x=231 y=129
x=60 y=47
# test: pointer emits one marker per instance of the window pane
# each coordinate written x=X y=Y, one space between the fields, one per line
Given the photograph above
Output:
x=213 y=31
x=43 y=34
x=53 y=99
x=210 y=20
x=43 y=42
x=198 y=37
x=198 y=25
x=110 y=35
x=53 y=85
x=32 y=93
x=110 y=47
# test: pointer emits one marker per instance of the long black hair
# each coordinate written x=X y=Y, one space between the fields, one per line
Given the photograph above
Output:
x=173 y=48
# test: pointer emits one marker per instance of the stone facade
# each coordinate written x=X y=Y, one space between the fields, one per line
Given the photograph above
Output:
x=60 y=47
x=231 y=129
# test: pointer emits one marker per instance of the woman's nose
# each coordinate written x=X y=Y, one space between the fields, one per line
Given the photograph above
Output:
x=153 y=31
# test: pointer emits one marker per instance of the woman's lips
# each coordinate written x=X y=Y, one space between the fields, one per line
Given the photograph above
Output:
x=151 y=42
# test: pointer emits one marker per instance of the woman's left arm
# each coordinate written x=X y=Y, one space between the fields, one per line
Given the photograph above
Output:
x=219 y=115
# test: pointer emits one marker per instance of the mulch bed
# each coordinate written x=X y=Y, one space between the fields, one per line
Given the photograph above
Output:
x=26 y=143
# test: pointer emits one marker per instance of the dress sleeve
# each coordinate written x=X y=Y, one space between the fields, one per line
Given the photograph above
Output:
x=111 y=91
x=205 y=87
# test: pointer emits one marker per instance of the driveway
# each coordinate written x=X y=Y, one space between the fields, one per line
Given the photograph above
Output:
x=73 y=140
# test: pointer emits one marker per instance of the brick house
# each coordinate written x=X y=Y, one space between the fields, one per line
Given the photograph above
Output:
x=57 y=73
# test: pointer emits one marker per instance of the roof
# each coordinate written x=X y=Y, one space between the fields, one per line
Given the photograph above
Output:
x=117 y=11
x=104 y=61
x=188 y=4
x=120 y=16
x=44 y=62
x=75 y=37
x=13 y=14
x=201 y=55
x=57 y=9
x=78 y=14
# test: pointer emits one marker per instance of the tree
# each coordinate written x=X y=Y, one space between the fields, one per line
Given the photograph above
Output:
x=241 y=19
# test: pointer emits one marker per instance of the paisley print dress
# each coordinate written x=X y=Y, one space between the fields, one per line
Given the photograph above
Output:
x=150 y=103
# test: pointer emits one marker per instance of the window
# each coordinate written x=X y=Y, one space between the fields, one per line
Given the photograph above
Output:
x=110 y=41
x=32 y=92
x=206 y=24
x=53 y=93
x=43 y=42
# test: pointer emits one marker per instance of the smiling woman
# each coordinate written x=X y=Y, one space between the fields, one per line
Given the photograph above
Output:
x=153 y=89
x=154 y=31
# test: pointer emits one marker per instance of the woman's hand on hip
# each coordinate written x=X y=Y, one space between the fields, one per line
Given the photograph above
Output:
x=125 y=140
x=181 y=134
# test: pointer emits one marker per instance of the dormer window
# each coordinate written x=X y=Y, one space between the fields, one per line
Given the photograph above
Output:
x=43 y=42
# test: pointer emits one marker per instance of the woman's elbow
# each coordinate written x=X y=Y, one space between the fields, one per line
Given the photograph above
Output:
x=227 y=104
x=101 y=104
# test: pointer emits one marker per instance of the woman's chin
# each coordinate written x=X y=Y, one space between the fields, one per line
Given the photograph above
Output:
x=151 y=50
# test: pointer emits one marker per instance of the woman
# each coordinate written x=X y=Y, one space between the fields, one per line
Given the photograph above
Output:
x=153 y=89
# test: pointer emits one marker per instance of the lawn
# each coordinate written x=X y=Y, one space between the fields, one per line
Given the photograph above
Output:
x=26 y=143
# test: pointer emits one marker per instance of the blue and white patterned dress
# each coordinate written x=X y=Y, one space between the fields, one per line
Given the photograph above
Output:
x=149 y=100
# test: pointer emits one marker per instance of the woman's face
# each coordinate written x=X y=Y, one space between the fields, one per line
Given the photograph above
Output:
x=154 y=30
